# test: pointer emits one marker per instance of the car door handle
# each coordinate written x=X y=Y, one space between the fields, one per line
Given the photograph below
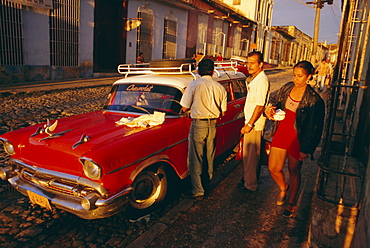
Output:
x=237 y=106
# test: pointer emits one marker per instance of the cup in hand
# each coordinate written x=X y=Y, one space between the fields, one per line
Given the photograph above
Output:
x=279 y=115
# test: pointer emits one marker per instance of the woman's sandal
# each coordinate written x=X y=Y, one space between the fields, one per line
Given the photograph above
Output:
x=281 y=199
x=290 y=210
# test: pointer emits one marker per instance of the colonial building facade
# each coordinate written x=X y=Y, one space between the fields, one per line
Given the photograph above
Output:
x=61 y=39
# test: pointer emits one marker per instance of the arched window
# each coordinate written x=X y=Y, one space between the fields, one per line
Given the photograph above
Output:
x=169 y=37
x=218 y=37
x=202 y=33
x=144 y=42
x=236 y=40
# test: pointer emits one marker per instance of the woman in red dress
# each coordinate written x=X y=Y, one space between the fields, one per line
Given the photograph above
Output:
x=219 y=57
x=298 y=134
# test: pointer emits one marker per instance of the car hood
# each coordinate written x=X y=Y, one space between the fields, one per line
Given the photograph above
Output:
x=73 y=137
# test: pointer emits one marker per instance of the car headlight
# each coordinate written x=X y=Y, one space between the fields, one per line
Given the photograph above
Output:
x=91 y=169
x=8 y=147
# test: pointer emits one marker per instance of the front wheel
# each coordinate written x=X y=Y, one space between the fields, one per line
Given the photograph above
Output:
x=149 y=190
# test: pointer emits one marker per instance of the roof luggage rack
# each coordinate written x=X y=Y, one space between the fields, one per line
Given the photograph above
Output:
x=185 y=68
x=127 y=69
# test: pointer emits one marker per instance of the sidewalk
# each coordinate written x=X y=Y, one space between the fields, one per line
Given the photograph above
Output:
x=229 y=217
x=47 y=85
x=57 y=84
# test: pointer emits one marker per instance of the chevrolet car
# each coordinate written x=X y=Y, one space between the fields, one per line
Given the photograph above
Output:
x=92 y=164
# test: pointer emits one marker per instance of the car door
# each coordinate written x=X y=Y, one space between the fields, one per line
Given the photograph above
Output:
x=229 y=126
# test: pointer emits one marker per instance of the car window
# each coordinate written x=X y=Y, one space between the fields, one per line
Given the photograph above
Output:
x=227 y=88
x=144 y=98
x=239 y=88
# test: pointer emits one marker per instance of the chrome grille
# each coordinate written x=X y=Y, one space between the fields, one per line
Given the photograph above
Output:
x=52 y=183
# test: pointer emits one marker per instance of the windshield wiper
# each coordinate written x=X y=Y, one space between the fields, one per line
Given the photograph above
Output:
x=140 y=108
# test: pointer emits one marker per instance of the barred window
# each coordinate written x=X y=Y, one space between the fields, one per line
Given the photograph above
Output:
x=169 y=38
x=286 y=51
x=237 y=38
x=202 y=32
x=145 y=33
x=244 y=42
x=275 y=48
x=217 y=33
x=11 y=33
x=64 y=32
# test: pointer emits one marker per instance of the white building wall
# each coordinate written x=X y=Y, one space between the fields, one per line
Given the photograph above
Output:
x=160 y=12
x=36 y=36
x=263 y=28
x=258 y=14
x=246 y=8
x=36 y=32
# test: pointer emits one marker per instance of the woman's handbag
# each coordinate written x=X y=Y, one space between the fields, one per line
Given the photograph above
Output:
x=239 y=152
x=265 y=151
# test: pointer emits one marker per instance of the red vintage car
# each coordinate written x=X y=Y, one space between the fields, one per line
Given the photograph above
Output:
x=91 y=164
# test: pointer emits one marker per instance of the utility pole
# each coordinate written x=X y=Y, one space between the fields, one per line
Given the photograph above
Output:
x=318 y=6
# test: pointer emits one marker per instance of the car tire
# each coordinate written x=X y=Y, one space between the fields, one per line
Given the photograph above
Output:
x=149 y=190
x=165 y=63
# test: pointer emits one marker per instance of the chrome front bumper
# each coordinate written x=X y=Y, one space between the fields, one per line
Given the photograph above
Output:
x=66 y=196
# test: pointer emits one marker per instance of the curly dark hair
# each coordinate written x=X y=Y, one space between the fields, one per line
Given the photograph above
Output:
x=206 y=67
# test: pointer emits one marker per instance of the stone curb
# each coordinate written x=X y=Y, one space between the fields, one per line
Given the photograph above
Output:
x=55 y=85
x=48 y=85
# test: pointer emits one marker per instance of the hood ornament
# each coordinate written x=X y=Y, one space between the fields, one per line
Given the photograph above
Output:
x=47 y=128
x=50 y=128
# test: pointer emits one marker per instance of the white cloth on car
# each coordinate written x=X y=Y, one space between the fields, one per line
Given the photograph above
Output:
x=154 y=119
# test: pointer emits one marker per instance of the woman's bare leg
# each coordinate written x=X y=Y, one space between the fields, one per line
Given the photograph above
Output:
x=276 y=162
x=294 y=167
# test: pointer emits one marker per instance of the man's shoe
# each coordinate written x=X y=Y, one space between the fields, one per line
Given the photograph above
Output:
x=241 y=187
x=199 y=197
x=192 y=196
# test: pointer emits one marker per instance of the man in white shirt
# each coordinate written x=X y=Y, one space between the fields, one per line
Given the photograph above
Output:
x=207 y=100
x=257 y=97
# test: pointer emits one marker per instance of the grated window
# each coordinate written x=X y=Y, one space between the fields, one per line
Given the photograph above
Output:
x=64 y=32
x=202 y=33
x=236 y=40
x=169 y=39
x=145 y=34
x=275 y=48
x=11 y=33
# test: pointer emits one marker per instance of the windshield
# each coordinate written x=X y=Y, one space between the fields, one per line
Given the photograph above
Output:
x=144 y=98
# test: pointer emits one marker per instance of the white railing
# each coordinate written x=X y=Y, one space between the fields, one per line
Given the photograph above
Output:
x=186 y=68
x=144 y=68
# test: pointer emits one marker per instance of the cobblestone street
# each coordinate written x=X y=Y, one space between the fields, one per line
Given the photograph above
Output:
x=23 y=225
x=228 y=214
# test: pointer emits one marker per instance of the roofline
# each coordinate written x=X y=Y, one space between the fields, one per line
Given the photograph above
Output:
x=219 y=6
x=228 y=11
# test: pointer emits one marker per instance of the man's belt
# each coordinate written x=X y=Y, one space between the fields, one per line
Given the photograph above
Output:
x=211 y=119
